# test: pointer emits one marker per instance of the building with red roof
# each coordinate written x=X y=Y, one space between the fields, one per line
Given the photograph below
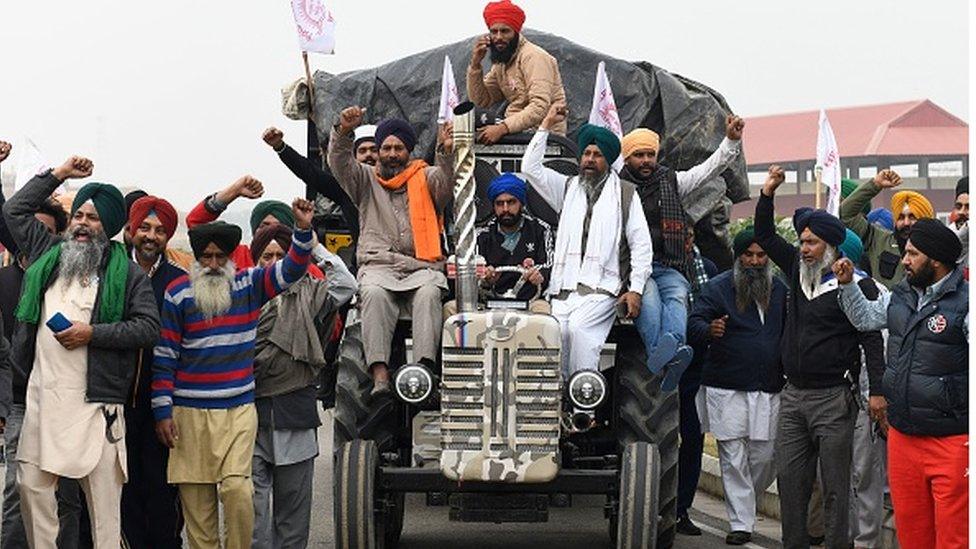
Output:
x=923 y=142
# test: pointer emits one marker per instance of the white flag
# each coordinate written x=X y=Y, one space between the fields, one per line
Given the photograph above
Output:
x=449 y=94
x=29 y=163
x=828 y=161
x=316 y=27
x=604 y=110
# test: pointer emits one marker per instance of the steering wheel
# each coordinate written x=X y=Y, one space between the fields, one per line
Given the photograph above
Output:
x=513 y=292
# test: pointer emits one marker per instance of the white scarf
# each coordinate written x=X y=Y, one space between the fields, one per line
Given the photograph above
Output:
x=600 y=267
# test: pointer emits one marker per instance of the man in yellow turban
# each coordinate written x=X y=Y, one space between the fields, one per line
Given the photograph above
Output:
x=883 y=249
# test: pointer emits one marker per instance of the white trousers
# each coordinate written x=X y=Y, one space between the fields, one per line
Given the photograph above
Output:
x=747 y=470
x=103 y=493
x=585 y=322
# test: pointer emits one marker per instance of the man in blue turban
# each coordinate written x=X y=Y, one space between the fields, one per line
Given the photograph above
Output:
x=512 y=237
x=599 y=216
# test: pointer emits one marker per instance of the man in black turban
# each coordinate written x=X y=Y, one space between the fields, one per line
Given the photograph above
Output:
x=821 y=356
x=926 y=415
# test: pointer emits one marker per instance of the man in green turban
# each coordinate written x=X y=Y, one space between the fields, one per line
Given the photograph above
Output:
x=78 y=371
x=599 y=216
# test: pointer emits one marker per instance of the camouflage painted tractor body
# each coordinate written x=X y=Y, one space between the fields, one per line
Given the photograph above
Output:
x=501 y=397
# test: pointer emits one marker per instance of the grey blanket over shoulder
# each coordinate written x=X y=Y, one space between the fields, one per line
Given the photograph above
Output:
x=292 y=333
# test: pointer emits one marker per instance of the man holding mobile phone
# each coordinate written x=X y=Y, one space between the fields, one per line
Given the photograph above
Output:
x=78 y=378
x=521 y=73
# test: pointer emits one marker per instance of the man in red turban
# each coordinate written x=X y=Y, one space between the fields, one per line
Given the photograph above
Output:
x=150 y=514
x=521 y=73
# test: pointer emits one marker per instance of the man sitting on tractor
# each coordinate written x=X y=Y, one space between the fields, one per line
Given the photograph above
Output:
x=602 y=255
x=521 y=73
x=512 y=237
x=400 y=256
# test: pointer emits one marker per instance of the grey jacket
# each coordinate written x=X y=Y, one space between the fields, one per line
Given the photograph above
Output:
x=114 y=346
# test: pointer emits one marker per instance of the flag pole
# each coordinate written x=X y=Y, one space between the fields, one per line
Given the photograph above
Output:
x=819 y=186
x=311 y=88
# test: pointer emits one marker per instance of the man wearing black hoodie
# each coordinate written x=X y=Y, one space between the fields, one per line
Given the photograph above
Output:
x=821 y=354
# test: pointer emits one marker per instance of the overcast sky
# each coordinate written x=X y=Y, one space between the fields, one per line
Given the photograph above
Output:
x=173 y=96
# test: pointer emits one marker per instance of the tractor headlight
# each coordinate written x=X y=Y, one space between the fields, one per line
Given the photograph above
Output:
x=414 y=383
x=587 y=389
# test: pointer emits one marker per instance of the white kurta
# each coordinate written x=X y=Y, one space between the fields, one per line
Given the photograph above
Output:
x=729 y=414
x=63 y=434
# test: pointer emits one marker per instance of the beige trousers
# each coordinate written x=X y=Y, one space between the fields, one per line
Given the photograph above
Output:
x=200 y=512
x=380 y=309
x=103 y=492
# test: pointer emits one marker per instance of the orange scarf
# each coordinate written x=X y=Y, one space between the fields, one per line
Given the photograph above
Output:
x=424 y=220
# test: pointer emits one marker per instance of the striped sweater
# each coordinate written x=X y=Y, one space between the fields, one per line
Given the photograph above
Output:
x=200 y=363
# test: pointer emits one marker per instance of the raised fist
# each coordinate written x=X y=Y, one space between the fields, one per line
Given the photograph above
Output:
x=4 y=150
x=248 y=187
x=274 y=138
x=350 y=118
x=775 y=178
x=445 y=137
x=887 y=179
x=76 y=167
x=303 y=211
x=844 y=270
x=556 y=115
x=733 y=127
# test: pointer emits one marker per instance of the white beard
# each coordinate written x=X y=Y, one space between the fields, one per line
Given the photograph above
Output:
x=212 y=291
x=80 y=260
x=811 y=274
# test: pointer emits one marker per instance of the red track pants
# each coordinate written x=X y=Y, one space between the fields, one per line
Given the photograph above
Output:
x=929 y=479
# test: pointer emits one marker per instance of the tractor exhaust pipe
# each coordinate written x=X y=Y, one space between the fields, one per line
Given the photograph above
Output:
x=465 y=209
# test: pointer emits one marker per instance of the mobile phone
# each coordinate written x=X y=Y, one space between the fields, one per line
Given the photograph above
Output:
x=58 y=323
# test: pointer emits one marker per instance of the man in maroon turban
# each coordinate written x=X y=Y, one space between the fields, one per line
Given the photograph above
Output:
x=521 y=73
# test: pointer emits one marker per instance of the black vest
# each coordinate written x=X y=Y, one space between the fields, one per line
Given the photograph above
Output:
x=926 y=382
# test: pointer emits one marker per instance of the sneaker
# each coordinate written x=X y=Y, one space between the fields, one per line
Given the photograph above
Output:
x=738 y=537
x=817 y=541
x=687 y=528
x=674 y=369
x=658 y=357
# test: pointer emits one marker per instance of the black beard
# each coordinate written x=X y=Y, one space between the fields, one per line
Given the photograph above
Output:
x=636 y=176
x=510 y=220
x=924 y=277
x=505 y=54
x=390 y=168
x=752 y=285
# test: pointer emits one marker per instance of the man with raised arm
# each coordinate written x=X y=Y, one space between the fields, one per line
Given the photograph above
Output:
x=602 y=254
x=400 y=255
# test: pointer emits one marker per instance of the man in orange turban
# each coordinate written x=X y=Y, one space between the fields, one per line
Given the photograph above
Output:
x=521 y=73
x=883 y=249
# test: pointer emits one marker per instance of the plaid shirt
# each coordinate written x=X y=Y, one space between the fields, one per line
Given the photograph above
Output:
x=698 y=277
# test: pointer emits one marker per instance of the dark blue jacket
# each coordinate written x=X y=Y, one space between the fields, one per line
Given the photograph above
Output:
x=747 y=357
x=926 y=382
x=166 y=273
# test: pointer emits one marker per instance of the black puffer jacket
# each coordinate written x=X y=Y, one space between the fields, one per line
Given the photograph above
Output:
x=926 y=382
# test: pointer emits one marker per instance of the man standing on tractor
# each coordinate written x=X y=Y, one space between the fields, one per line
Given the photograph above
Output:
x=400 y=256
x=604 y=260
x=521 y=73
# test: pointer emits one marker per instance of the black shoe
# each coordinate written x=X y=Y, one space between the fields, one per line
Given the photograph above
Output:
x=738 y=537
x=816 y=541
x=686 y=527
